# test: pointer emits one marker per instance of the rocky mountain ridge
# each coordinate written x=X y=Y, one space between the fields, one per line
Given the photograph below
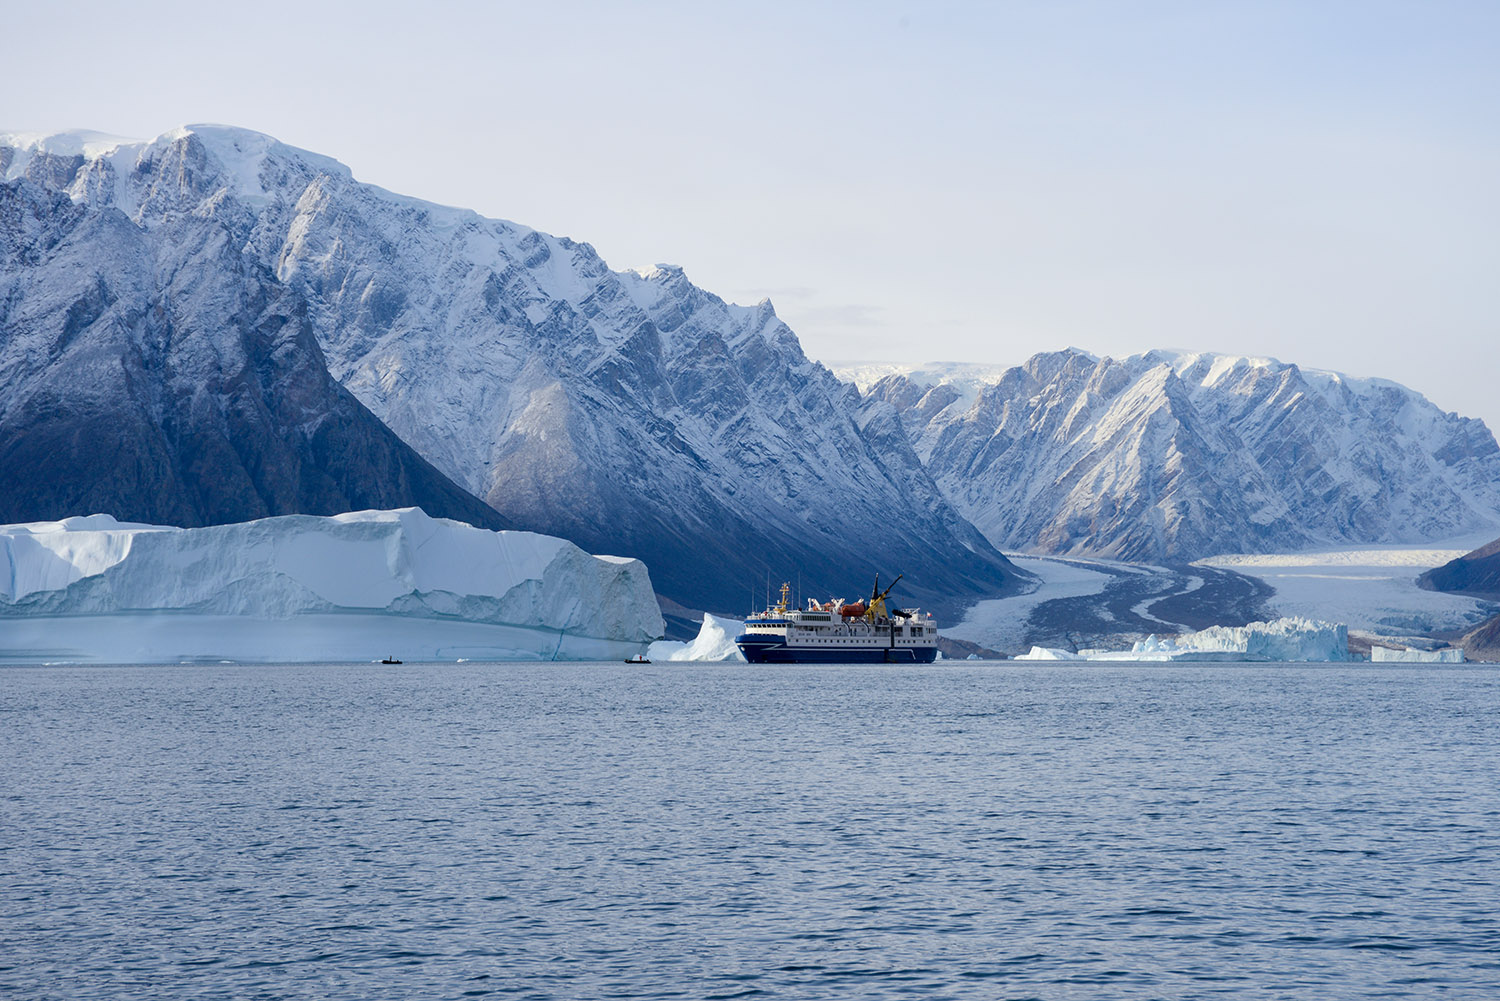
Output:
x=1476 y=573
x=1180 y=456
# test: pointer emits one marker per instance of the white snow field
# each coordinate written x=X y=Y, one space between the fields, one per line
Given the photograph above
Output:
x=715 y=641
x=352 y=587
x=1373 y=590
x=1285 y=640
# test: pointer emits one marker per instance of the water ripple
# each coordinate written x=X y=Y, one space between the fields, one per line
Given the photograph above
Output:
x=594 y=831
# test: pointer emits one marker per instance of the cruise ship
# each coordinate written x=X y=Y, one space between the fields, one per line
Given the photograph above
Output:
x=833 y=632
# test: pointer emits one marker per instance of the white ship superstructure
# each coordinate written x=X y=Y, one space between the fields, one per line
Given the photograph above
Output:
x=836 y=632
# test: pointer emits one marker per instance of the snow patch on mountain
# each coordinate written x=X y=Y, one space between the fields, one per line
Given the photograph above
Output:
x=966 y=378
x=75 y=142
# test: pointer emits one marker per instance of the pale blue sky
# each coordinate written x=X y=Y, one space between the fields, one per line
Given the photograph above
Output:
x=1313 y=181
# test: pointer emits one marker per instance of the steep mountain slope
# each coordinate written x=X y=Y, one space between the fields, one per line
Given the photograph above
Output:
x=629 y=412
x=1473 y=573
x=1483 y=643
x=165 y=377
x=1182 y=456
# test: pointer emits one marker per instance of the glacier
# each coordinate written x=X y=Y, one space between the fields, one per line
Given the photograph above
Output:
x=350 y=587
x=1284 y=640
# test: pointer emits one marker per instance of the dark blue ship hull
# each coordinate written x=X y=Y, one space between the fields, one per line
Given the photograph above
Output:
x=771 y=650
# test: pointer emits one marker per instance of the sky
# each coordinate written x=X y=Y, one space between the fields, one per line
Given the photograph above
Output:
x=1314 y=181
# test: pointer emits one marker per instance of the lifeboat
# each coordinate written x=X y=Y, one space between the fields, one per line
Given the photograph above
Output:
x=853 y=611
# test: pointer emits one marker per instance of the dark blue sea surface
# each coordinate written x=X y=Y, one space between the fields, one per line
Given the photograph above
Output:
x=692 y=831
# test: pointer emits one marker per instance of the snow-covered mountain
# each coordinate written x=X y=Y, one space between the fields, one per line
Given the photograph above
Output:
x=630 y=412
x=159 y=374
x=1181 y=456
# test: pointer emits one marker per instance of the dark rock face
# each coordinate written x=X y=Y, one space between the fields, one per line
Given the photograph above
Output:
x=163 y=377
x=1166 y=456
x=1476 y=573
x=1483 y=643
x=632 y=413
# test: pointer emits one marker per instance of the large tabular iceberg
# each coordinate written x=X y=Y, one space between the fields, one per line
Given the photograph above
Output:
x=356 y=586
x=1285 y=640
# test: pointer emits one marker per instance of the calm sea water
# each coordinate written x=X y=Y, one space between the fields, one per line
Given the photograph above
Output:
x=600 y=831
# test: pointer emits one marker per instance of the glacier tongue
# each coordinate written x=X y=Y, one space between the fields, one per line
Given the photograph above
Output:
x=347 y=587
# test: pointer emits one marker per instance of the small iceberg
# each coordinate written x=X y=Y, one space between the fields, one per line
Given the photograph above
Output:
x=1411 y=655
x=715 y=642
x=1294 y=640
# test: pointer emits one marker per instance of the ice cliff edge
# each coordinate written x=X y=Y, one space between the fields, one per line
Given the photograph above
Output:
x=1289 y=640
x=349 y=587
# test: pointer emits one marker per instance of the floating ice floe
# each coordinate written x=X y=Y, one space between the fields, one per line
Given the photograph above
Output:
x=1285 y=640
x=1450 y=655
x=357 y=586
x=715 y=641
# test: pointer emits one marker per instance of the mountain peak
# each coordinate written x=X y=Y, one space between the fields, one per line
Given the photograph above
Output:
x=1225 y=453
x=71 y=142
